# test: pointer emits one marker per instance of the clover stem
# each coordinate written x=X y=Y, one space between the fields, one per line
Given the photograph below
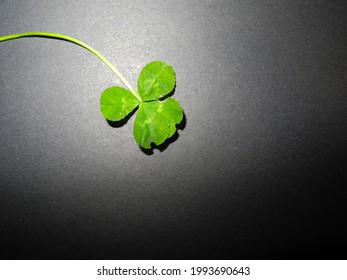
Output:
x=77 y=42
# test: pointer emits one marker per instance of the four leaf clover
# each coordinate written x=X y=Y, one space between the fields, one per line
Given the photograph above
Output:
x=156 y=119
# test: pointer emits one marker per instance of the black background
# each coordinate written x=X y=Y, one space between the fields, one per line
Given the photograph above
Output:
x=258 y=170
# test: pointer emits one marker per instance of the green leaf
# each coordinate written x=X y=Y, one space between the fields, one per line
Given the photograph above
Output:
x=116 y=103
x=156 y=121
x=156 y=80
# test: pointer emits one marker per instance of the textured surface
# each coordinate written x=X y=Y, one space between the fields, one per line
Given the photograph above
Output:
x=259 y=170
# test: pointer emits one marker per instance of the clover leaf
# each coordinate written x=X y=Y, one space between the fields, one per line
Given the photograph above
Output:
x=156 y=80
x=116 y=103
x=156 y=119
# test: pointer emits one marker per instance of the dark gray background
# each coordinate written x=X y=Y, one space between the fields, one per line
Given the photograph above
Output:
x=259 y=170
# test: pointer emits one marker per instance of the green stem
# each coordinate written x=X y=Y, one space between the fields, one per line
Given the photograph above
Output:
x=77 y=42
